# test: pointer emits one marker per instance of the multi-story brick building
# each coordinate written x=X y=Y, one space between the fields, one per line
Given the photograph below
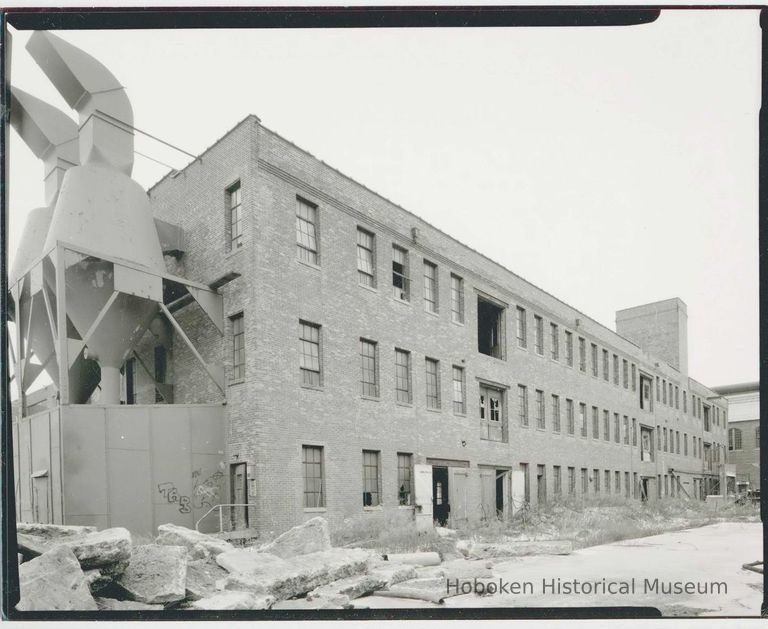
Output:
x=744 y=433
x=364 y=344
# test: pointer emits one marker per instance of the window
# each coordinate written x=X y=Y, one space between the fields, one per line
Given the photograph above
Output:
x=606 y=366
x=459 y=391
x=664 y=430
x=634 y=431
x=616 y=428
x=658 y=389
x=617 y=482
x=568 y=348
x=554 y=339
x=626 y=430
x=677 y=397
x=433 y=383
x=607 y=475
x=606 y=425
x=238 y=347
x=369 y=371
x=401 y=284
x=522 y=395
x=366 y=265
x=663 y=391
x=596 y=480
x=615 y=370
x=557 y=480
x=677 y=442
x=625 y=373
x=593 y=349
x=430 y=287
x=571 y=481
x=541 y=421
x=569 y=416
x=626 y=483
x=490 y=328
x=541 y=484
x=522 y=328
x=707 y=426
x=309 y=357
x=595 y=422
x=734 y=439
x=403 y=390
x=685 y=401
x=646 y=443
x=646 y=397
x=491 y=413
x=685 y=443
x=634 y=377
x=306 y=231
x=583 y=418
x=582 y=355
x=371 y=492
x=556 y=413
x=457 y=299
x=634 y=484
x=526 y=482
x=312 y=465
x=539 y=329
x=404 y=476
x=235 y=216
x=584 y=481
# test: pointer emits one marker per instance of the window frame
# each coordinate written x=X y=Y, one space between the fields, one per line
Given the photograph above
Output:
x=304 y=251
x=366 y=254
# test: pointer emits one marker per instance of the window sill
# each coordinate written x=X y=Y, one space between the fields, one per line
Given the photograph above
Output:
x=459 y=414
x=233 y=252
x=434 y=410
x=436 y=315
x=401 y=301
x=370 y=399
x=315 y=509
x=376 y=508
x=309 y=265
x=404 y=404
x=238 y=381
x=372 y=289
x=458 y=323
x=309 y=387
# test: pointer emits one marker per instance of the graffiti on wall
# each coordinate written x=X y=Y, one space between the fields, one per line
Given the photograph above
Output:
x=205 y=491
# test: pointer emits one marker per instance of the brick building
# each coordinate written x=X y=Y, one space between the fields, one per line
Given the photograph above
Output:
x=364 y=345
x=744 y=433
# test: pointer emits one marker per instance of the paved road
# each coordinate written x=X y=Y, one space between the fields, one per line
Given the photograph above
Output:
x=709 y=557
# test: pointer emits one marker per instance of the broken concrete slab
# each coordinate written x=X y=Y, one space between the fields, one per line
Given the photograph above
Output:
x=433 y=590
x=233 y=600
x=201 y=578
x=156 y=574
x=392 y=573
x=53 y=531
x=31 y=546
x=196 y=542
x=310 y=537
x=249 y=561
x=97 y=580
x=301 y=574
x=482 y=550
x=349 y=589
x=54 y=581
x=459 y=569
x=107 y=548
x=416 y=559
x=112 y=604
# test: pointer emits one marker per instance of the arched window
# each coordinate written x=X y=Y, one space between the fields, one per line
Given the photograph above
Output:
x=734 y=439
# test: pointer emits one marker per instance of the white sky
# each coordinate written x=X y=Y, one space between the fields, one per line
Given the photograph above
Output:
x=609 y=166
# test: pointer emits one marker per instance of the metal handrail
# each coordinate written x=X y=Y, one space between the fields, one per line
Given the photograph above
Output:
x=221 y=514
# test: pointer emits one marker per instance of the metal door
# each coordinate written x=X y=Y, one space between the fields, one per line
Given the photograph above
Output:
x=238 y=482
x=422 y=490
x=458 y=501
x=40 y=506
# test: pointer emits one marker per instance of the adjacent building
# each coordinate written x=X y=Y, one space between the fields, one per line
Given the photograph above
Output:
x=375 y=363
x=744 y=433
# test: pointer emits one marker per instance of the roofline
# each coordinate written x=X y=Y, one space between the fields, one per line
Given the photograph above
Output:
x=743 y=387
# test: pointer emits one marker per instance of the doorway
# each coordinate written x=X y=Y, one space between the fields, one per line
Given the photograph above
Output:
x=644 y=490
x=500 y=475
x=441 y=507
x=238 y=495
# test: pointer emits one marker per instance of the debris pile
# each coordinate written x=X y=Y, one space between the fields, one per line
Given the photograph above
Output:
x=81 y=568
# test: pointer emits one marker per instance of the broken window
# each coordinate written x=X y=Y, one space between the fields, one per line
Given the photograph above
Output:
x=433 y=383
x=404 y=475
x=457 y=299
x=490 y=328
x=235 y=216
x=309 y=356
x=238 y=347
x=369 y=376
x=459 y=391
x=554 y=334
x=491 y=413
x=366 y=266
x=556 y=413
x=306 y=231
x=400 y=282
x=371 y=473
x=403 y=376
x=430 y=287
x=312 y=464
x=522 y=328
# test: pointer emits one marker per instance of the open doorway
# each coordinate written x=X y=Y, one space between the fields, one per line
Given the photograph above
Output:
x=441 y=507
x=500 y=475
x=238 y=483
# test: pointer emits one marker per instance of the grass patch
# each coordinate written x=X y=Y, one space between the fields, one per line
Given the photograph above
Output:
x=387 y=532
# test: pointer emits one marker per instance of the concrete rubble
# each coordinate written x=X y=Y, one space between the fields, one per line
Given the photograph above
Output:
x=76 y=568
